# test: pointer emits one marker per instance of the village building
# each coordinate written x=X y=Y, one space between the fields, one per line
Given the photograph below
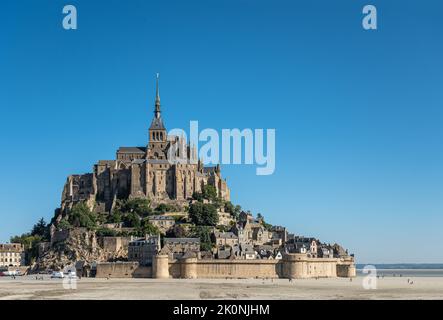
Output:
x=325 y=252
x=114 y=246
x=11 y=255
x=279 y=232
x=177 y=247
x=225 y=218
x=302 y=245
x=162 y=222
x=247 y=251
x=143 y=250
x=224 y=238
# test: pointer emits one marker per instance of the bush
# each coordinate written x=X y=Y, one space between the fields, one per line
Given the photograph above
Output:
x=115 y=217
x=64 y=225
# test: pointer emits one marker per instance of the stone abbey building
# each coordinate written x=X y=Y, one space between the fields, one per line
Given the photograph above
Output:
x=145 y=172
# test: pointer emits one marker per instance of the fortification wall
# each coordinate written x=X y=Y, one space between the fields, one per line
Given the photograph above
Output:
x=63 y=235
x=292 y=266
x=238 y=268
x=346 y=269
x=122 y=270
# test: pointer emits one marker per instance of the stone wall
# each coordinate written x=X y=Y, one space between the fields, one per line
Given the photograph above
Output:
x=292 y=266
x=122 y=270
x=346 y=268
x=114 y=244
x=63 y=235
x=238 y=268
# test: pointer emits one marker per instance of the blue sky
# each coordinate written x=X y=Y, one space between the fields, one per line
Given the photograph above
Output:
x=358 y=114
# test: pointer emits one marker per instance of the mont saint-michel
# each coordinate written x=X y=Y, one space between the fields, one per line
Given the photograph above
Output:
x=144 y=215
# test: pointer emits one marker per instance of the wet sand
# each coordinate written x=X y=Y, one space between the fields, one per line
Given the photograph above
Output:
x=255 y=289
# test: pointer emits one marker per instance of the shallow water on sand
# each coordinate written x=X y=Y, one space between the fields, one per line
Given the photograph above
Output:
x=407 y=272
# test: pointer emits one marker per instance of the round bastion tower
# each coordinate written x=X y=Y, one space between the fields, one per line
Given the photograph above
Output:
x=160 y=266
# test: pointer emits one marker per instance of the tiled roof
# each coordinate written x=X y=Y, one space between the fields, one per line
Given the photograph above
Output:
x=132 y=150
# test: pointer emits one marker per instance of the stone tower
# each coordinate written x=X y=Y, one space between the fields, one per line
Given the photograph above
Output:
x=157 y=130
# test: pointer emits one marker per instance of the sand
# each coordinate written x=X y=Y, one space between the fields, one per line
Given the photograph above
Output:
x=334 y=288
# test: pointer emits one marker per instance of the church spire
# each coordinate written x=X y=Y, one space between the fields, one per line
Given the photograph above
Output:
x=157 y=122
x=157 y=111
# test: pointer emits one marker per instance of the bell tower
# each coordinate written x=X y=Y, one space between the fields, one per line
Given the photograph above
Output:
x=157 y=131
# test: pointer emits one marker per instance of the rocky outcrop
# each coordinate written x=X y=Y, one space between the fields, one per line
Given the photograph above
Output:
x=73 y=245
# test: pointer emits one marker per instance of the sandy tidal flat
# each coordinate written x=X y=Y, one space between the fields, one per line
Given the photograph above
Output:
x=256 y=289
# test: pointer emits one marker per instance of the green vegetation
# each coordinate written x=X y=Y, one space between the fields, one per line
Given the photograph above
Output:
x=106 y=232
x=115 y=217
x=81 y=216
x=139 y=206
x=132 y=220
x=147 y=228
x=208 y=193
x=204 y=233
x=31 y=240
x=267 y=226
x=233 y=210
x=178 y=219
x=203 y=214
x=130 y=212
x=64 y=224
x=178 y=231
x=163 y=208
x=40 y=229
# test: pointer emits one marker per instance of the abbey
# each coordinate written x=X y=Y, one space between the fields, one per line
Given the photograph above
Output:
x=145 y=172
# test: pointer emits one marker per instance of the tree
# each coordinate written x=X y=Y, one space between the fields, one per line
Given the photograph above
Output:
x=237 y=211
x=233 y=210
x=267 y=226
x=40 y=229
x=148 y=228
x=81 y=216
x=140 y=206
x=163 y=208
x=132 y=220
x=30 y=244
x=204 y=234
x=197 y=196
x=209 y=192
x=203 y=214
x=177 y=231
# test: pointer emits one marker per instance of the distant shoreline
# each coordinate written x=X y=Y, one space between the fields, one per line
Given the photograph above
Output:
x=402 y=266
